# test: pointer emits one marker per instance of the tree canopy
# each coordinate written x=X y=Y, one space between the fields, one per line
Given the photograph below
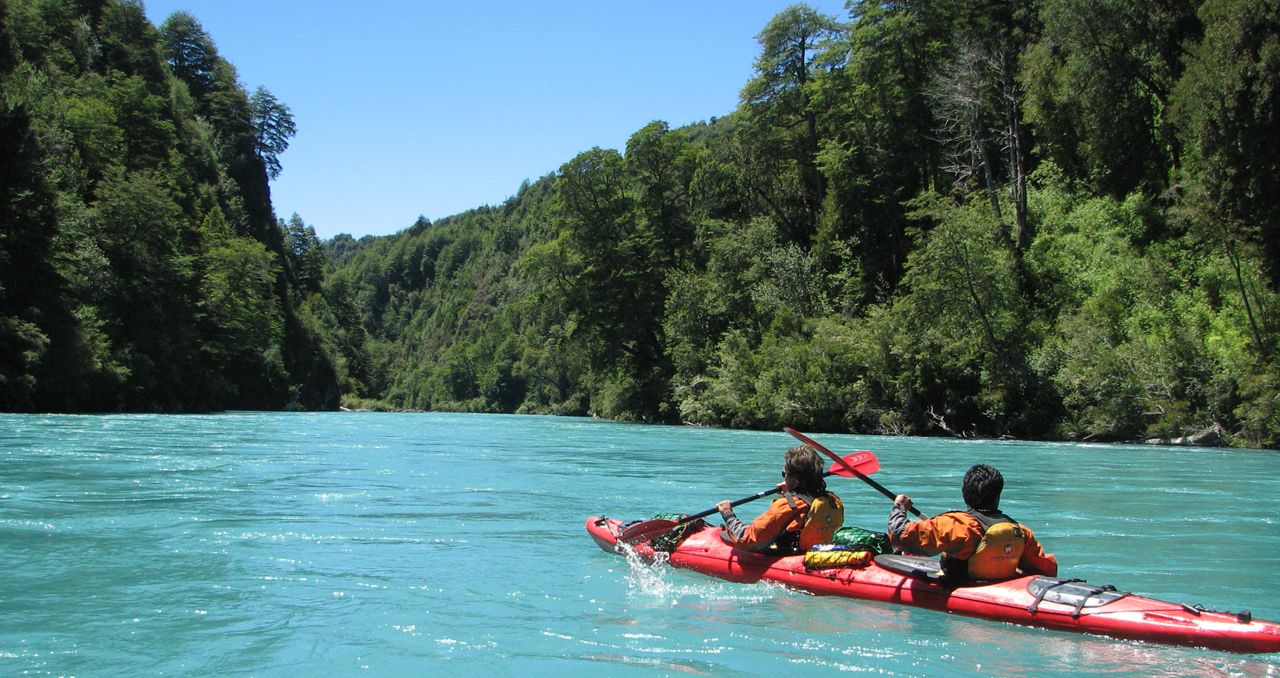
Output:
x=141 y=266
x=1050 y=219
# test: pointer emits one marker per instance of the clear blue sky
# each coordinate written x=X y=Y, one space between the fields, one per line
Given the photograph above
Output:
x=433 y=107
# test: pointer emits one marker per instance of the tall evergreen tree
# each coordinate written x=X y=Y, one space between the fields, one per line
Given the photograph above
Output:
x=780 y=104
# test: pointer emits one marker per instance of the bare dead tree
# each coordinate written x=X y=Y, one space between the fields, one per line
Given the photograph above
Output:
x=961 y=103
x=978 y=103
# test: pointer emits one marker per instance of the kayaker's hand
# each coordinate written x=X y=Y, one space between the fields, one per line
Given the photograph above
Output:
x=902 y=501
x=724 y=506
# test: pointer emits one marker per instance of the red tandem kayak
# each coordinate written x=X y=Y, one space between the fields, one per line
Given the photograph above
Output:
x=1047 y=602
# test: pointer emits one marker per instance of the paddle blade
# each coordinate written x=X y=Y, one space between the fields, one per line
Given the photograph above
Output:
x=863 y=462
x=649 y=529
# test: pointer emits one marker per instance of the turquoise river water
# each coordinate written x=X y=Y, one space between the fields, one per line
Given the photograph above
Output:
x=441 y=544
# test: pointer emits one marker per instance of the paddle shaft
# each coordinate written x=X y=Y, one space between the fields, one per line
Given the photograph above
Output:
x=860 y=463
x=652 y=528
x=822 y=448
x=739 y=502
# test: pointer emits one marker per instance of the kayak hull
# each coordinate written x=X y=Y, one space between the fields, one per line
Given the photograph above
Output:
x=1118 y=615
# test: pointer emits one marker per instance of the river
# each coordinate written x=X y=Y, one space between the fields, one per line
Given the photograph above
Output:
x=275 y=544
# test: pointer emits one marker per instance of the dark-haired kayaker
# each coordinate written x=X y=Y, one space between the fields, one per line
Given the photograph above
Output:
x=980 y=542
x=805 y=515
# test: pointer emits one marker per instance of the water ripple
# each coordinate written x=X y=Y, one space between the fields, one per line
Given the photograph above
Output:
x=404 y=544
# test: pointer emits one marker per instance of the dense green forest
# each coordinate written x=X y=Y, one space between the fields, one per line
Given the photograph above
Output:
x=141 y=265
x=1044 y=219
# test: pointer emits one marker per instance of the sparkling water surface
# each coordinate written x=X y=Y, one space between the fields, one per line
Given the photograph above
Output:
x=274 y=544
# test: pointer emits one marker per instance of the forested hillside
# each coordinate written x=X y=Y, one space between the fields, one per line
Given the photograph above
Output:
x=1050 y=219
x=1043 y=219
x=141 y=265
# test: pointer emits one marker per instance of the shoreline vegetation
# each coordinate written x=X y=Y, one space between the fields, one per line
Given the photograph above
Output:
x=1055 y=220
x=1209 y=437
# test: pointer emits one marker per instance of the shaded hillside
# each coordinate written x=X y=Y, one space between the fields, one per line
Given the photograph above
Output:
x=141 y=265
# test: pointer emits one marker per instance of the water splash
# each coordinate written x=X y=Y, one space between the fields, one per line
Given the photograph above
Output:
x=647 y=575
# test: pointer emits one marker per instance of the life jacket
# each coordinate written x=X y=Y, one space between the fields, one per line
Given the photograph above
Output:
x=997 y=554
x=824 y=515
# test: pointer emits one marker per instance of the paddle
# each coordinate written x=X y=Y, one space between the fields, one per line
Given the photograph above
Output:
x=821 y=448
x=857 y=464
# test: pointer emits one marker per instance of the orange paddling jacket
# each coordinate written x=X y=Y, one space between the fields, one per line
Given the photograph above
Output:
x=973 y=544
x=793 y=523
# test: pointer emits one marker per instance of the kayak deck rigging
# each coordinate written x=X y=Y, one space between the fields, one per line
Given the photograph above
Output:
x=1046 y=602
